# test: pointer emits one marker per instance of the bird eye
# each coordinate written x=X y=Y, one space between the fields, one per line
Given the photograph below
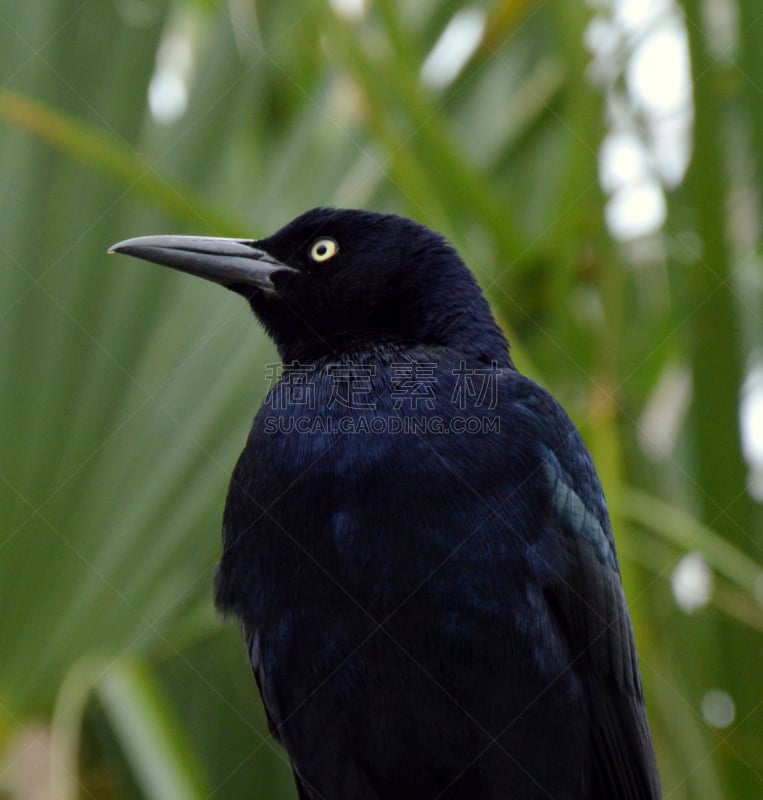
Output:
x=323 y=250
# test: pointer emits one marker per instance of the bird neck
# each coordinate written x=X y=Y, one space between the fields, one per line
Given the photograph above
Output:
x=356 y=347
x=376 y=351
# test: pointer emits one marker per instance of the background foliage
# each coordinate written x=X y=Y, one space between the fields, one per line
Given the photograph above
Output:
x=128 y=391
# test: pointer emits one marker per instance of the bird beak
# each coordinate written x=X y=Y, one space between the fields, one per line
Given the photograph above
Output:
x=224 y=261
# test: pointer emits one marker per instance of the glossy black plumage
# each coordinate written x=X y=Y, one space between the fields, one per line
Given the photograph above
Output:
x=430 y=612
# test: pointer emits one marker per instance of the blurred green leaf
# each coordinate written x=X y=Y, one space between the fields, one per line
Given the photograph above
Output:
x=685 y=532
x=154 y=744
x=109 y=156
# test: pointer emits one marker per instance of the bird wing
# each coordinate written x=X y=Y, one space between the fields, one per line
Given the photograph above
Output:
x=590 y=603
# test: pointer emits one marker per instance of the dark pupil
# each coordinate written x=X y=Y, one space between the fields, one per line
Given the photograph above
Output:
x=322 y=249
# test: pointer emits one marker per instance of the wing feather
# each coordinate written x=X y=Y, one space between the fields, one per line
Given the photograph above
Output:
x=590 y=601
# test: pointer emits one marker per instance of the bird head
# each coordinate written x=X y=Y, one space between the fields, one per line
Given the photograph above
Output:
x=334 y=280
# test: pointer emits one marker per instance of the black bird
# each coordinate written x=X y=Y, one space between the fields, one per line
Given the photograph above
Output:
x=415 y=540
